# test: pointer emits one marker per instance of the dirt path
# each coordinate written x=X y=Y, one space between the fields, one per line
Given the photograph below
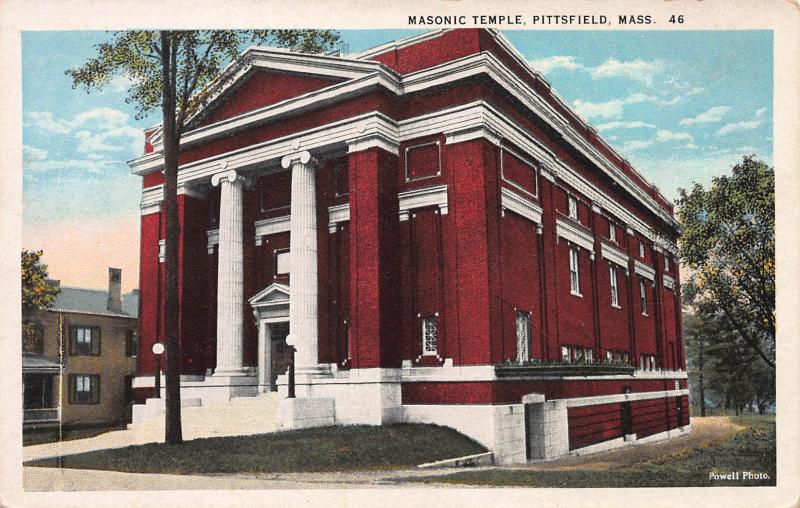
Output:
x=705 y=431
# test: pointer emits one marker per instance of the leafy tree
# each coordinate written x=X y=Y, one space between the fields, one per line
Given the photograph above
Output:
x=36 y=294
x=729 y=244
x=178 y=72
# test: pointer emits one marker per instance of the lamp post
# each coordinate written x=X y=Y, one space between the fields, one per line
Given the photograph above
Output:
x=290 y=395
x=158 y=350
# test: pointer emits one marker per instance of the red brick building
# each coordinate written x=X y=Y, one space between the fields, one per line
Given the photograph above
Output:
x=440 y=236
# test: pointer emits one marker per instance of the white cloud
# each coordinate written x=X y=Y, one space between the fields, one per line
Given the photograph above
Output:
x=713 y=115
x=117 y=139
x=612 y=108
x=625 y=125
x=120 y=83
x=637 y=70
x=545 y=65
x=739 y=126
x=760 y=112
x=46 y=122
x=89 y=165
x=664 y=135
x=690 y=146
x=637 y=144
x=31 y=153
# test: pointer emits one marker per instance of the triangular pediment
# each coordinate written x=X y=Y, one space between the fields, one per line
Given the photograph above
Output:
x=275 y=293
x=262 y=76
x=261 y=88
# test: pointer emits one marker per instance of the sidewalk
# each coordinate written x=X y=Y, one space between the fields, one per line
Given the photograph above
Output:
x=43 y=479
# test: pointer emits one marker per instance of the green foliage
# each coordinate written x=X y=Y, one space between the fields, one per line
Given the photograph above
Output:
x=728 y=243
x=198 y=59
x=36 y=292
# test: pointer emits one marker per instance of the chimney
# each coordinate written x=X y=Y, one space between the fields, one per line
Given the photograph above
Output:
x=114 y=290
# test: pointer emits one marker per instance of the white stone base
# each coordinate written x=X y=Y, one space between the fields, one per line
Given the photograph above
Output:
x=549 y=429
x=155 y=407
x=500 y=428
x=305 y=413
x=362 y=396
x=632 y=440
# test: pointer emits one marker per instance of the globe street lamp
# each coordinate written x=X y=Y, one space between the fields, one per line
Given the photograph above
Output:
x=158 y=350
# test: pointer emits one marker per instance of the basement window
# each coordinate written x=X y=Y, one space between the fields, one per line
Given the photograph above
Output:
x=429 y=332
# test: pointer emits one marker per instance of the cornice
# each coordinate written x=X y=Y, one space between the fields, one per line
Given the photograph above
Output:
x=336 y=215
x=419 y=198
x=669 y=282
x=614 y=255
x=481 y=63
x=645 y=271
x=575 y=234
x=510 y=200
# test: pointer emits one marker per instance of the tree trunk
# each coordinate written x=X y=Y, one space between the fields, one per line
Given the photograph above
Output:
x=172 y=428
x=702 y=386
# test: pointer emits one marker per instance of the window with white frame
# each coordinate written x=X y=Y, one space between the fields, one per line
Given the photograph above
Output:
x=282 y=262
x=612 y=273
x=612 y=231
x=643 y=296
x=666 y=263
x=84 y=389
x=523 y=335
x=647 y=362
x=572 y=207
x=85 y=341
x=574 y=275
x=429 y=335
x=577 y=354
x=641 y=249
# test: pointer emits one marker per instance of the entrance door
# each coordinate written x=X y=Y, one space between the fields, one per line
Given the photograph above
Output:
x=627 y=420
x=280 y=355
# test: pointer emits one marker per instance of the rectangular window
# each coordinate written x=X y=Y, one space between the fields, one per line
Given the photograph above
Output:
x=574 y=276
x=565 y=355
x=612 y=272
x=589 y=355
x=85 y=341
x=84 y=389
x=572 y=204
x=643 y=296
x=523 y=335
x=429 y=335
x=131 y=343
x=609 y=356
x=282 y=262
x=612 y=231
x=666 y=263
x=641 y=249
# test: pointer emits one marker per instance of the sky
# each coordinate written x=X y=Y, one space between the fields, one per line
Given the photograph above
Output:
x=681 y=106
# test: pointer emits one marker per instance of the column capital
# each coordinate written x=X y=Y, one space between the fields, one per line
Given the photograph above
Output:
x=303 y=157
x=229 y=176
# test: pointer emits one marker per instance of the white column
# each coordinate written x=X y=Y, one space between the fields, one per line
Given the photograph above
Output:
x=303 y=274
x=230 y=275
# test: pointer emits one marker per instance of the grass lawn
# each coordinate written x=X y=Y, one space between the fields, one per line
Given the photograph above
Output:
x=752 y=449
x=51 y=435
x=320 y=449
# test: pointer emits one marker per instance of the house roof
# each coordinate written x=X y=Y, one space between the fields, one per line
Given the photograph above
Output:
x=37 y=363
x=94 y=301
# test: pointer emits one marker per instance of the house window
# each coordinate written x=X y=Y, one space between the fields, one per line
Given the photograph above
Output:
x=612 y=231
x=523 y=335
x=641 y=249
x=85 y=341
x=282 y=263
x=572 y=204
x=643 y=296
x=429 y=335
x=574 y=277
x=666 y=263
x=612 y=272
x=84 y=389
x=647 y=362
x=565 y=354
x=577 y=354
x=131 y=343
